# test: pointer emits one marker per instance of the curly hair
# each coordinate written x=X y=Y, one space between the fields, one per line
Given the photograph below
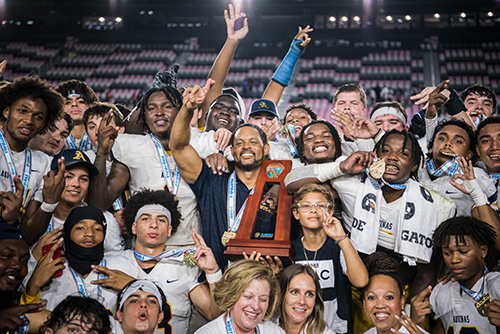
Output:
x=79 y=87
x=300 y=105
x=315 y=323
x=35 y=88
x=461 y=124
x=333 y=131
x=417 y=156
x=237 y=278
x=481 y=90
x=147 y=196
x=172 y=94
x=85 y=310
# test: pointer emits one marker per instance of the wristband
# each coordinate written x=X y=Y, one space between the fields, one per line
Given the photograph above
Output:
x=49 y=208
x=215 y=277
x=455 y=104
x=475 y=192
x=338 y=241
x=284 y=73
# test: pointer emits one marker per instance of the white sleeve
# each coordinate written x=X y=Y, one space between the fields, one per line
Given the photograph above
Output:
x=342 y=262
x=323 y=172
x=116 y=152
x=430 y=126
x=203 y=142
x=114 y=240
x=433 y=299
x=487 y=183
x=38 y=194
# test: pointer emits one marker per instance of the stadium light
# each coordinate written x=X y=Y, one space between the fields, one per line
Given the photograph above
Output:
x=490 y=14
x=356 y=18
x=437 y=16
x=344 y=18
x=407 y=17
x=463 y=15
x=118 y=19
x=102 y=19
x=388 y=18
x=332 y=19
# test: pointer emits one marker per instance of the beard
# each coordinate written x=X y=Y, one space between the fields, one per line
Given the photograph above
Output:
x=249 y=167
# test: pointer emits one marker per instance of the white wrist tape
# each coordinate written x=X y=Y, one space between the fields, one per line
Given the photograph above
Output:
x=215 y=277
x=475 y=192
x=49 y=208
x=327 y=171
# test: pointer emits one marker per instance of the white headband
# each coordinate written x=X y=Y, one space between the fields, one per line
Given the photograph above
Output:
x=73 y=93
x=157 y=208
x=141 y=285
x=388 y=111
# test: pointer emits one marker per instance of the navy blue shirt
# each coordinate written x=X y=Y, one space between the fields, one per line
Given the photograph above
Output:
x=211 y=191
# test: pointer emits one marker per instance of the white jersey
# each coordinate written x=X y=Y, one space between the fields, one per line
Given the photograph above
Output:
x=91 y=155
x=278 y=150
x=203 y=142
x=349 y=147
x=402 y=329
x=139 y=154
x=457 y=310
x=40 y=166
x=176 y=281
x=218 y=326
x=463 y=201
x=65 y=285
x=113 y=240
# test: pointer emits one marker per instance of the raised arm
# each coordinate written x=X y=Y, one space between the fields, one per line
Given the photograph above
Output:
x=187 y=159
x=220 y=68
x=283 y=74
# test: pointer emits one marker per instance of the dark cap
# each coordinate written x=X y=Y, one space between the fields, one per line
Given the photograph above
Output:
x=8 y=231
x=263 y=105
x=73 y=157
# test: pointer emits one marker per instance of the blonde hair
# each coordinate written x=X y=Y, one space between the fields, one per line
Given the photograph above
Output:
x=236 y=279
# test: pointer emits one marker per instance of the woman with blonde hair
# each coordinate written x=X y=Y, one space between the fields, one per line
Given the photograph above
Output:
x=249 y=293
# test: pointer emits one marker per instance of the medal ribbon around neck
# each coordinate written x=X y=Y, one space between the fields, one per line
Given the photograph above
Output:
x=176 y=253
x=290 y=131
x=230 y=328
x=71 y=142
x=479 y=119
x=495 y=176
x=24 y=329
x=233 y=219
x=476 y=295
x=80 y=284
x=379 y=184
x=173 y=185
x=450 y=168
x=9 y=161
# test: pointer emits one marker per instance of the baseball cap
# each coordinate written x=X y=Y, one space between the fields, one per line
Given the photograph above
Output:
x=232 y=92
x=263 y=105
x=8 y=231
x=73 y=157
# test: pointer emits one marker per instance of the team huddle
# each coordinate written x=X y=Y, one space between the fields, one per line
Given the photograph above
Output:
x=117 y=221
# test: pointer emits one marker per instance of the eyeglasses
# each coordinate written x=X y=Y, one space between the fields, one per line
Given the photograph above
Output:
x=306 y=206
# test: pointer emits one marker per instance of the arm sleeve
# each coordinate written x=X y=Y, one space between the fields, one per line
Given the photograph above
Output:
x=323 y=172
x=113 y=240
x=203 y=142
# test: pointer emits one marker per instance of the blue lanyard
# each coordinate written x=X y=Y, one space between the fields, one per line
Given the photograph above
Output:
x=176 y=253
x=290 y=130
x=476 y=295
x=378 y=185
x=233 y=219
x=495 y=176
x=479 y=119
x=12 y=167
x=24 y=329
x=50 y=228
x=80 y=284
x=230 y=328
x=71 y=142
x=173 y=185
x=450 y=168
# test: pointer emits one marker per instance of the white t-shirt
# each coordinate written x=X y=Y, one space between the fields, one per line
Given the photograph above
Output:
x=91 y=154
x=457 y=310
x=203 y=142
x=278 y=150
x=176 y=281
x=402 y=329
x=40 y=166
x=63 y=286
x=218 y=326
x=139 y=154
x=389 y=215
x=463 y=201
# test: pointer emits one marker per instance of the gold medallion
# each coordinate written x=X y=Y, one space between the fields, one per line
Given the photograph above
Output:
x=189 y=261
x=228 y=235
x=481 y=309
x=377 y=169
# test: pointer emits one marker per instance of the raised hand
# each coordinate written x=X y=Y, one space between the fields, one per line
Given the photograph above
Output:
x=303 y=35
x=436 y=100
x=194 y=97
x=408 y=324
x=45 y=269
x=48 y=238
x=332 y=226
x=357 y=162
x=11 y=202
x=355 y=127
x=217 y=162
x=271 y=128
x=231 y=17
x=53 y=184
x=421 y=306
x=106 y=134
x=222 y=137
x=468 y=174
x=3 y=65
x=115 y=279
x=204 y=255
x=275 y=263
x=494 y=312
x=10 y=317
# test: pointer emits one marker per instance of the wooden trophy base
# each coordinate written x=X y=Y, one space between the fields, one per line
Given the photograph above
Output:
x=282 y=249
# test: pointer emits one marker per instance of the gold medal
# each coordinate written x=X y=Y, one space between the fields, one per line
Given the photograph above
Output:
x=189 y=261
x=228 y=235
x=377 y=169
x=481 y=309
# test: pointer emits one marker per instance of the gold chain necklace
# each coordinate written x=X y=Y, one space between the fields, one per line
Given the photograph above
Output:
x=314 y=260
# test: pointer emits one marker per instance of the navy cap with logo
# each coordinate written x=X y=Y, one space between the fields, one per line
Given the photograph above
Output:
x=263 y=105
x=73 y=157
x=8 y=231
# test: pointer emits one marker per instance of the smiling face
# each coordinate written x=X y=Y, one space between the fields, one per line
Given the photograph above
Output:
x=152 y=229
x=464 y=260
x=300 y=299
x=87 y=233
x=77 y=184
x=251 y=308
x=382 y=301
x=24 y=119
x=450 y=140
x=478 y=104
x=319 y=144
x=140 y=314
x=248 y=149
x=488 y=147
x=312 y=218
x=14 y=256
x=350 y=103
x=160 y=114
x=298 y=117
x=398 y=159
x=388 y=122
x=52 y=141
x=224 y=113
x=75 y=107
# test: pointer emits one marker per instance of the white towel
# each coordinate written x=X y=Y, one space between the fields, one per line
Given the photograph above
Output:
x=413 y=230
